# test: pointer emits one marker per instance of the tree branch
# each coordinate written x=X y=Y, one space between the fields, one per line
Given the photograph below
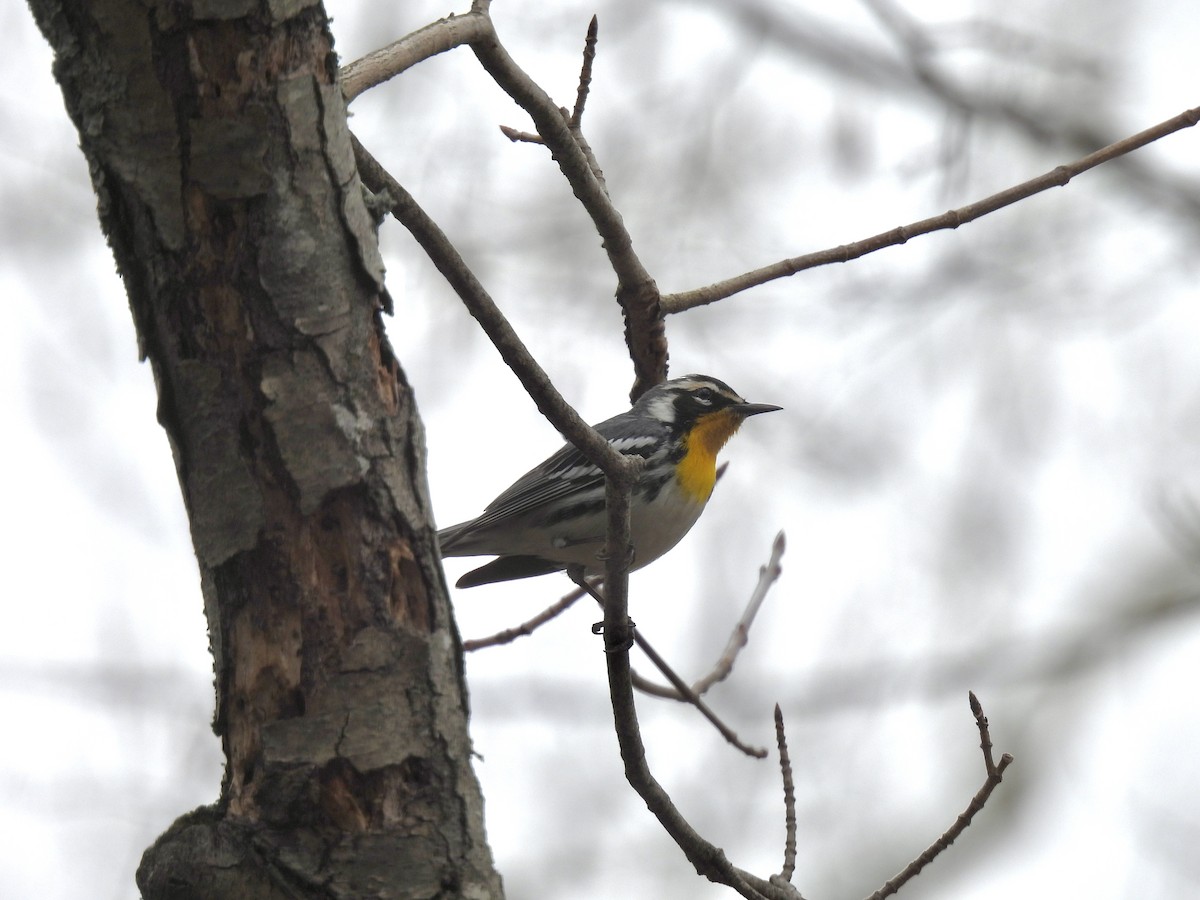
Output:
x=817 y=41
x=619 y=470
x=575 y=123
x=387 y=62
x=508 y=635
x=445 y=256
x=681 y=689
x=640 y=300
x=690 y=696
x=637 y=292
x=709 y=860
x=521 y=137
x=789 y=800
x=767 y=576
x=995 y=773
x=585 y=74
x=674 y=303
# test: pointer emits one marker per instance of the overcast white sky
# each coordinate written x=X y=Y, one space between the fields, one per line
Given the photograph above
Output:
x=986 y=468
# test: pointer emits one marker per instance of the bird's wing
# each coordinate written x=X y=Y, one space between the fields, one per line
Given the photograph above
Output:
x=568 y=471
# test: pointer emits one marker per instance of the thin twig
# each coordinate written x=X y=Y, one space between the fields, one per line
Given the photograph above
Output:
x=637 y=293
x=767 y=576
x=674 y=303
x=684 y=692
x=592 y=161
x=618 y=549
x=721 y=669
x=709 y=861
x=388 y=62
x=995 y=774
x=619 y=470
x=789 y=800
x=445 y=256
x=574 y=119
x=738 y=638
x=508 y=635
x=523 y=137
x=867 y=61
x=585 y=73
x=694 y=699
x=985 y=737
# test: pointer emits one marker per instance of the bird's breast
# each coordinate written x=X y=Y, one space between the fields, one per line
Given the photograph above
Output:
x=697 y=471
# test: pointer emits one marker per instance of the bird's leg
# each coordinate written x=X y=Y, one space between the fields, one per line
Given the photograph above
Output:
x=575 y=573
x=602 y=556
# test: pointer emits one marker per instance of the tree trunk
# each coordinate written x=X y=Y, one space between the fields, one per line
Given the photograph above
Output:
x=217 y=142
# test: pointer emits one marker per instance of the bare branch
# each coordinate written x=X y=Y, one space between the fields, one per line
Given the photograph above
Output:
x=691 y=697
x=673 y=303
x=645 y=335
x=479 y=303
x=575 y=122
x=685 y=693
x=985 y=737
x=517 y=136
x=508 y=635
x=575 y=118
x=637 y=293
x=597 y=172
x=995 y=774
x=585 y=74
x=619 y=470
x=387 y=62
x=767 y=576
x=789 y=800
x=618 y=545
x=709 y=860
x=818 y=41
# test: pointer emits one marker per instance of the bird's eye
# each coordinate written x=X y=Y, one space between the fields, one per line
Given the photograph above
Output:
x=704 y=395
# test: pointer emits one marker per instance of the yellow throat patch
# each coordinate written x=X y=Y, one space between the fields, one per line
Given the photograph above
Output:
x=697 y=471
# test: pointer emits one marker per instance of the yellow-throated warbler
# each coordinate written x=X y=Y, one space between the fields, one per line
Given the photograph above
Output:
x=553 y=516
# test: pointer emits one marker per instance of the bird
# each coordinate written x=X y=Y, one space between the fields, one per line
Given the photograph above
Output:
x=552 y=518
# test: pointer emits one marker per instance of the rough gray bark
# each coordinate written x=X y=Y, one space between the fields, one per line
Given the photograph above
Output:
x=216 y=137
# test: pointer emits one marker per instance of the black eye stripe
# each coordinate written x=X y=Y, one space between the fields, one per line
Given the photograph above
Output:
x=691 y=398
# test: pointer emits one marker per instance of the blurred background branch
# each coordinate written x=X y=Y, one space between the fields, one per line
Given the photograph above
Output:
x=983 y=426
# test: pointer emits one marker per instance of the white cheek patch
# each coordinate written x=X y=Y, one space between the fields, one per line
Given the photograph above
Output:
x=663 y=409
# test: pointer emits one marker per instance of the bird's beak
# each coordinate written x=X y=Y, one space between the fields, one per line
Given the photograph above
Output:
x=753 y=409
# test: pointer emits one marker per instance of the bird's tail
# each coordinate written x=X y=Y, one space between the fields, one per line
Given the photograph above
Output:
x=454 y=541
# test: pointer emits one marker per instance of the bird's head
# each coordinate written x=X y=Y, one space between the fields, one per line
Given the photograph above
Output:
x=683 y=403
